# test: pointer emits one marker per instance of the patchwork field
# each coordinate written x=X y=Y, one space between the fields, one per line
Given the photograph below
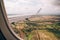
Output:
x=38 y=28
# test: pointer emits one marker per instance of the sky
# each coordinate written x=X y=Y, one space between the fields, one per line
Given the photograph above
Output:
x=30 y=7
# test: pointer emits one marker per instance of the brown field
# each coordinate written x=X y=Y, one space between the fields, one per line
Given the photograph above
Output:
x=37 y=27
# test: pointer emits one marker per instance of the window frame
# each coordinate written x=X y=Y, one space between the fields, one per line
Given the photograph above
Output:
x=5 y=26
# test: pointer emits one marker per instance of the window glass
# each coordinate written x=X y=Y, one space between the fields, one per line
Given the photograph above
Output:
x=34 y=19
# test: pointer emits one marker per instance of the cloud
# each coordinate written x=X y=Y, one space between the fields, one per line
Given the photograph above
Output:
x=27 y=7
x=57 y=3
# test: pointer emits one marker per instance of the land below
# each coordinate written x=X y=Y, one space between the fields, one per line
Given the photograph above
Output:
x=36 y=27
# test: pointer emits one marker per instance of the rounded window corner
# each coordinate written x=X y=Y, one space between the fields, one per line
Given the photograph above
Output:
x=5 y=26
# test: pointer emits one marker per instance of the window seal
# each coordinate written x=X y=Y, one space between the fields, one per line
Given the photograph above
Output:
x=2 y=9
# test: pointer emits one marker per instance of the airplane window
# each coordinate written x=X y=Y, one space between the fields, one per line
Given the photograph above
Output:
x=34 y=19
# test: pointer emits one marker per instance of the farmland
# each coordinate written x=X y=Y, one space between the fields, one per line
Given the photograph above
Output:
x=38 y=28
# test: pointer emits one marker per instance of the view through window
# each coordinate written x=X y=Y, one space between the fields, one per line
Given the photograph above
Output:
x=34 y=19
